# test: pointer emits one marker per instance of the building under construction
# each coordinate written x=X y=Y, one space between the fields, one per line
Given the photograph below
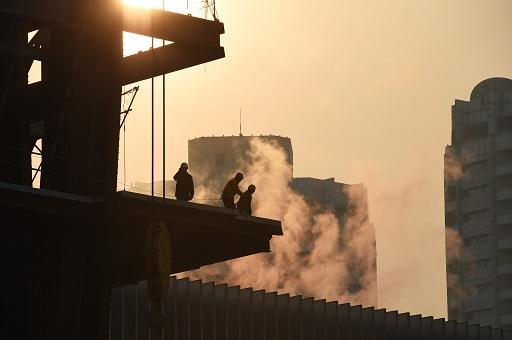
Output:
x=66 y=244
x=69 y=242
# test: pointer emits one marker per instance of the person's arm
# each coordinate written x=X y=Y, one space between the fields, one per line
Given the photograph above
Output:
x=176 y=176
x=238 y=191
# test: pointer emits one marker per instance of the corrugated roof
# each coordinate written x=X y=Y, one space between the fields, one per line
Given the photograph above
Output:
x=197 y=310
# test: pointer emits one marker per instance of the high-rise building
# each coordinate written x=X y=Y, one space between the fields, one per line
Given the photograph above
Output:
x=478 y=206
x=214 y=160
x=325 y=193
x=349 y=203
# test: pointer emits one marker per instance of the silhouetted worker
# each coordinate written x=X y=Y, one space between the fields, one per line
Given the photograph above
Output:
x=230 y=190
x=184 y=184
x=244 y=203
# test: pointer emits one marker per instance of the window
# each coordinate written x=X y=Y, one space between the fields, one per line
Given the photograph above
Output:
x=476 y=171
x=476 y=241
x=505 y=124
x=479 y=314
x=477 y=268
x=475 y=131
x=451 y=193
x=477 y=217
x=220 y=160
x=477 y=192
x=482 y=289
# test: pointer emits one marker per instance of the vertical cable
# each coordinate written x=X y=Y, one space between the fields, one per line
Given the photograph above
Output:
x=124 y=141
x=152 y=127
x=163 y=122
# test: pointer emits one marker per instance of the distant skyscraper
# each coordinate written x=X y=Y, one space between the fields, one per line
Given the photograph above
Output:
x=214 y=160
x=349 y=203
x=324 y=193
x=478 y=205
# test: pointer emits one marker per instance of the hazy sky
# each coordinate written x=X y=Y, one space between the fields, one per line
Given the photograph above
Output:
x=364 y=90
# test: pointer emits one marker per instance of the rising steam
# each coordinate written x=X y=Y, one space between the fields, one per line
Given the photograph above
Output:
x=316 y=256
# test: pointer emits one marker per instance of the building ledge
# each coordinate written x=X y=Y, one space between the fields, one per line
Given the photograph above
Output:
x=200 y=234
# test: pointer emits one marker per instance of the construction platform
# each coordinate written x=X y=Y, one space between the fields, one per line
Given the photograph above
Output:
x=200 y=234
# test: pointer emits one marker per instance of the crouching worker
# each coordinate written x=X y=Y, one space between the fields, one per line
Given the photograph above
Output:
x=184 y=184
x=230 y=190
x=244 y=203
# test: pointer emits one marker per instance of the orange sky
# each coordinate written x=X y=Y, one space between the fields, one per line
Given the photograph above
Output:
x=364 y=91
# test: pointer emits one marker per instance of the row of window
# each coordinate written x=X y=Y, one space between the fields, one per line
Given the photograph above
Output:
x=479 y=314
x=477 y=268
x=476 y=241
x=481 y=217
x=482 y=289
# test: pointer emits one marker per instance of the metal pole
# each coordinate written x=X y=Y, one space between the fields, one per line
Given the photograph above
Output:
x=163 y=123
x=152 y=129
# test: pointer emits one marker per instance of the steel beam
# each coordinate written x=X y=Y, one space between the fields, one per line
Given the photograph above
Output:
x=171 y=26
x=166 y=59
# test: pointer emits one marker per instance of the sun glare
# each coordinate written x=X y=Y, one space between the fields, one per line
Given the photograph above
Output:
x=179 y=6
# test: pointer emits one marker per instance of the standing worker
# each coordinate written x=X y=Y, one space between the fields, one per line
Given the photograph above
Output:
x=230 y=190
x=184 y=184
x=244 y=203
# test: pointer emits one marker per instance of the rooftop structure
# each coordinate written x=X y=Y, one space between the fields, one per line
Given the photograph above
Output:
x=210 y=311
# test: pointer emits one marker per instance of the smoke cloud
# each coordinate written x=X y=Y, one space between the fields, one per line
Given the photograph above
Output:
x=453 y=169
x=316 y=256
x=454 y=248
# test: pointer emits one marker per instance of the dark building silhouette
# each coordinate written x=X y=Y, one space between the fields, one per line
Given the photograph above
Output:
x=478 y=205
x=208 y=311
x=66 y=245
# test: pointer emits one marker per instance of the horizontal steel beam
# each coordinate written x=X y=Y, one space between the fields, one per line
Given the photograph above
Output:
x=171 y=26
x=166 y=59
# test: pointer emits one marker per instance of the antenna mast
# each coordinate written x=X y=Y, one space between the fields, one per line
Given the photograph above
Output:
x=240 y=122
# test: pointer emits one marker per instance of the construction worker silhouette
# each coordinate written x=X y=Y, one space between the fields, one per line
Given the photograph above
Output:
x=230 y=190
x=184 y=184
x=244 y=203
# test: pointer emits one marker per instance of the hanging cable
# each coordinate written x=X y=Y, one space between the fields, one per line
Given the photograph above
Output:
x=163 y=120
x=124 y=146
x=152 y=129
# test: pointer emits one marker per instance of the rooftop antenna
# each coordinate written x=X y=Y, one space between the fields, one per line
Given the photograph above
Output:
x=240 y=134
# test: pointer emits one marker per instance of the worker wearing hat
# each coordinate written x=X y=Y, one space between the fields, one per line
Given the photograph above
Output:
x=184 y=184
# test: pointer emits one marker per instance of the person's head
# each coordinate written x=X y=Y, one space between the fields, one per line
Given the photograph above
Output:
x=184 y=166
x=239 y=177
x=252 y=188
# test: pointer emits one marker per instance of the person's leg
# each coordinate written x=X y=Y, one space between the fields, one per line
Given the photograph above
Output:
x=229 y=202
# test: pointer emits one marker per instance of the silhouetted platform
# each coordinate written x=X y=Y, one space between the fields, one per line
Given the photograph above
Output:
x=200 y=234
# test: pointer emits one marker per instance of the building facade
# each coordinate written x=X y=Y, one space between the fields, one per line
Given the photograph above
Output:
x=215 y=160
x=325 y=193
x=478 y=206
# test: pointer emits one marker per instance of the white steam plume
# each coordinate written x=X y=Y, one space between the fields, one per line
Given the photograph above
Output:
x=316 y=256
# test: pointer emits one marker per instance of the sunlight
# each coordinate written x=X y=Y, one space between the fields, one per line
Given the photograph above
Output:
x=134 y=43
x=179 y=6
